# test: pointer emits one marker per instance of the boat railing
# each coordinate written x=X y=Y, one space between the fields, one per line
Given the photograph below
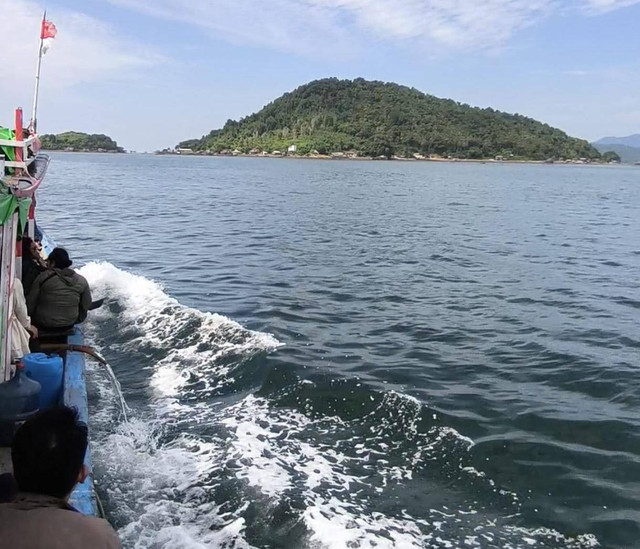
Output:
x=22 y=174
x=21 y=185
x=20 y=145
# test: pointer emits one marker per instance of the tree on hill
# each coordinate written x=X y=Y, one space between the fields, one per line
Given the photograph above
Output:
x=78 y=141
x=628 y=155
x=610 y=156
x=386 y=119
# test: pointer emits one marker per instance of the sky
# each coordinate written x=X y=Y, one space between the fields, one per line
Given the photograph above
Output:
x=151 y=73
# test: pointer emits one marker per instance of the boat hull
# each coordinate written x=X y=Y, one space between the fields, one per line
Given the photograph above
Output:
x=74 y=394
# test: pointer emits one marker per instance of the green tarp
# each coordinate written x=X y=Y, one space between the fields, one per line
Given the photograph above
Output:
x=8 y=202
x=8 y=152
x=8 y=205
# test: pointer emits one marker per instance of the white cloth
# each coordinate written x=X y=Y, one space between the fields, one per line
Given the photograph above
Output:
x=20 y=321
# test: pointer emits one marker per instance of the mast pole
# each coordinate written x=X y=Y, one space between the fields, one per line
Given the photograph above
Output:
x=37 y=85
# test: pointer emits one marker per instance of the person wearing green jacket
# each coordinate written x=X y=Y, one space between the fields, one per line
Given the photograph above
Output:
x=59 y=297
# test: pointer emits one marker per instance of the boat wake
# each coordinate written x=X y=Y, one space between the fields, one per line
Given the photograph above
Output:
x=226 y=448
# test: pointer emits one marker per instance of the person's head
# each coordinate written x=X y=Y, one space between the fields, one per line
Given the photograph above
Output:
x=30 y=248
x=48 y=453
x=59 y=258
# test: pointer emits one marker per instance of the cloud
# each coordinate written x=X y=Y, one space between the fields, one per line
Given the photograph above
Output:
x=604 y=6
x=321 y=27
x=293 y=26
x=455 y=24
x=85 y=49
x=313 y=26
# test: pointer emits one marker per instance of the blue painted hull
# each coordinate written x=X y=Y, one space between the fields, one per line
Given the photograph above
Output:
x=75 y=395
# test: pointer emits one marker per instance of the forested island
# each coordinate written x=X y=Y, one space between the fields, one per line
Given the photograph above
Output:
x=621 y=153
x=79 y=142
x=360 y=118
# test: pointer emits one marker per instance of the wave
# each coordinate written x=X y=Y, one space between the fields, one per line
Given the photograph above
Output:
x=192 y=350
x=206 y=461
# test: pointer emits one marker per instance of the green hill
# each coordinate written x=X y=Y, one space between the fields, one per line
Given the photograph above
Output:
x=627 y=154
x=77 y=141
x=386 y=119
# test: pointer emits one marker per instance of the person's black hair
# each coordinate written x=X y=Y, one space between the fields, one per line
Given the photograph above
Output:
x=48 y=452
x=60 y=258
x=26 y=247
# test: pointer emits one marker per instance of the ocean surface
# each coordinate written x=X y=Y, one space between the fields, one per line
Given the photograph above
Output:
x=360 y=354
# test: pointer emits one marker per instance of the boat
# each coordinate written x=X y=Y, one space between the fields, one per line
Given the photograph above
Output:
x=22 y=171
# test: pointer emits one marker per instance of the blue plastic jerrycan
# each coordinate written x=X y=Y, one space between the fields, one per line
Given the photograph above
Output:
x=46 y=370
x=19 y=400
x=19 y=397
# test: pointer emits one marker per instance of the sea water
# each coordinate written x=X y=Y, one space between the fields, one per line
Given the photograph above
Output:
x=359 y=354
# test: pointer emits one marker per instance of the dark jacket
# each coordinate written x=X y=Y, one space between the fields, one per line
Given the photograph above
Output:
x=30 y=271
x=33 y=521
x=58 y=299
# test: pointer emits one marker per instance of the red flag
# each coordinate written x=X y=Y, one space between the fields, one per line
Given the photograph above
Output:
x=48 y=30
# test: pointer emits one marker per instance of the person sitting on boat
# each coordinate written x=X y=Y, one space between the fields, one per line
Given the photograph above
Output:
x=59 y=297
x=32 y=262
x=21 y=329
x=48 y=461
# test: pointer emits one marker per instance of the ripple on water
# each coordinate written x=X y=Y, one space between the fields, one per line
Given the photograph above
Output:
x=504 y=297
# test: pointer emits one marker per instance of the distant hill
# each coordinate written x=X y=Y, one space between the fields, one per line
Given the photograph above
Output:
x=77 y=141
x=629 y=141
x=385 y=119
x=628 y=155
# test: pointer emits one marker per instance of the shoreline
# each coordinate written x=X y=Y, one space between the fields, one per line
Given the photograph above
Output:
x=84 y=151
x=396 y=159
x=360 y=158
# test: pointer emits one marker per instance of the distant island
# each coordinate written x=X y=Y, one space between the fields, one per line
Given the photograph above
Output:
x=79 y=142
x=360 y=118
x=622 y=153
x=629 y=141
x=626 y=148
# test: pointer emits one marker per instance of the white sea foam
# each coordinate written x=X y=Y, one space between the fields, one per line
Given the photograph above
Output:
x=160 y=489
x=160 y=317
x=195 y=341
x=279 y=461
